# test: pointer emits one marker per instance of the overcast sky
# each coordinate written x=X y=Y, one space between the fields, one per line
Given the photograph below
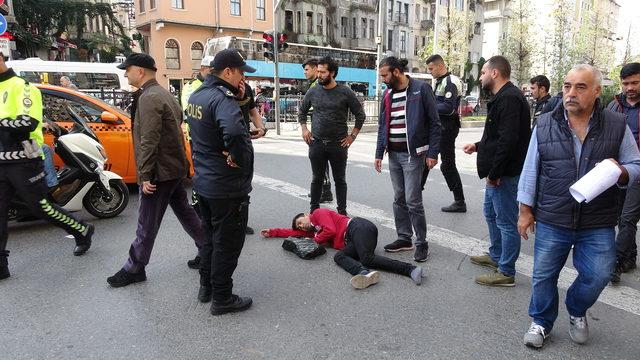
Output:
x=629 y=14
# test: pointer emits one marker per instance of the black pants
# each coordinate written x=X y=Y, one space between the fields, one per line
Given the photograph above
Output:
x=450 y=130
x=626 y=247
x=27 y=181
x=224 y=222
x=320 y=152
x=358 y=254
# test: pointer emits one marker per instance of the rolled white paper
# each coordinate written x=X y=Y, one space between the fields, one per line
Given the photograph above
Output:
x=595 y=182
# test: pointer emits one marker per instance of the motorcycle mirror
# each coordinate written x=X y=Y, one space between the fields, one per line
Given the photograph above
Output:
x=109 y=118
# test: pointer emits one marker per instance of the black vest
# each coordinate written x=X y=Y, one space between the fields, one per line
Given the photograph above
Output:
x=557 y=170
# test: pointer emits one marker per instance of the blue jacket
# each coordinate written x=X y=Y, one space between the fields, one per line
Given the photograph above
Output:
x=632 y=114
x=217 y=125
x=423 y=123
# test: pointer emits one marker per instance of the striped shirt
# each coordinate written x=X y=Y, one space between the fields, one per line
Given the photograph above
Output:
x=397 y=122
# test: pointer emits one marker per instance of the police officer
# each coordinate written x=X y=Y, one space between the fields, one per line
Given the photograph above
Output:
x=194 y=84
x=448 y=91
x=22 y=163
x=223 y=162
x=540 y=85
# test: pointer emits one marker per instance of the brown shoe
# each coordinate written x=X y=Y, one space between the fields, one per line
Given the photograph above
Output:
x=484 y=260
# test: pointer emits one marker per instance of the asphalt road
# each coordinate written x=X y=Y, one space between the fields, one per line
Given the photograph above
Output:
x=57 y=306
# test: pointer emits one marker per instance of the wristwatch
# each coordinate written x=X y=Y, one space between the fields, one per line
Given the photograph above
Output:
x=353 y=137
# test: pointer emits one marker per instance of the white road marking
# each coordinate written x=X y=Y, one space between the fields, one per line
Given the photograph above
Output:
x=621 y=297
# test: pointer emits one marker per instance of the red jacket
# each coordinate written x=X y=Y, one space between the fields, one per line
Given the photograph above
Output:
x=330 y=228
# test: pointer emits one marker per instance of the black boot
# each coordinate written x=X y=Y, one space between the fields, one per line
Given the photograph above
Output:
x=195 y=263
x=458 y=206
x=234 y=304
x=83 y=243
x=204 y=294
x=4 y=265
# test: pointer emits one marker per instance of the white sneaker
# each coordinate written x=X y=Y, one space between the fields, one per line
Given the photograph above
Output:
x=579 y=329
x=535 y=336
x=362 y=281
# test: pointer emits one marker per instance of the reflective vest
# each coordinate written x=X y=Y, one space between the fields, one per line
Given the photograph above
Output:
x=20 y=116
x=187 y=90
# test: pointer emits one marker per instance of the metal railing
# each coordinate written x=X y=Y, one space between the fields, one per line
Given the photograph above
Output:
x=118 y=98
x=290 y=106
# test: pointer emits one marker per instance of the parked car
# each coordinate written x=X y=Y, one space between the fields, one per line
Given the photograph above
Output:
x=473 y=102
x=111 y=125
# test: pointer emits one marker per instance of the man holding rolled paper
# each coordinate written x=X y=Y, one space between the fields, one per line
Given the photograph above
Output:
x=568 y=143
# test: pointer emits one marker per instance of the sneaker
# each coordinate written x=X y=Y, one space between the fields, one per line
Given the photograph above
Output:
x=204 y=294
x=578 y=329
x=124 y=278
x=484 y=260
x=365 y=279
x=194 y=263
x=535 y=336
x=84 y=243
x=249 y=231
x=457 y=207
x=416 y=275
x=399 y=245
x=234 y=304
x=422 y=253
x=496 y=278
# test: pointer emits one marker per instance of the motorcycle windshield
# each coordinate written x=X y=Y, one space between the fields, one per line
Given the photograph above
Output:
x=80 y=125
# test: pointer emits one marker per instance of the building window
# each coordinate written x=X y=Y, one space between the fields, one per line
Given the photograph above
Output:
x=197 y=50
x=460 y=5
x=260 y=10
x=298 y=21
x=389 y=39
x=235 y=7
x=415 y=45
x=177 y=4
x=477 y=28
x=319 y=24
x=390 y=10
x=417 y=12
x=309 y=22
x=172 y=54
x=364 y=28
x=344 y=27
x=142 y=9
x=403 y=41
x=354 y=28
x=406 y=14
x=288 y=21
x=372 y=29
x=424 y=41
x=152 y=4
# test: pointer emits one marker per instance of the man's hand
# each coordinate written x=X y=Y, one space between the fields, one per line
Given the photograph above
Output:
x=306 y=135
x=260 y=133
x=148 y=188
x=431 y=163
x=624 y=177
x=241 y=87
x=230 y=161
x=377 y=164
x=264 y=232
x=493 y=183
x=526 y=221
x=469 y=148
x=347 y=141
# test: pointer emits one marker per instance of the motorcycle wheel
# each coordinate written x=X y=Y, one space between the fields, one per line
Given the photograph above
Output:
x=98 y=205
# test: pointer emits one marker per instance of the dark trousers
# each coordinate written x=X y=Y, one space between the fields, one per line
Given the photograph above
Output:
x=27 y=181
x=320 y=152
x=224 y=222
x=626 y=247
x=358 y=254
x=448 y=137
x=150 y=213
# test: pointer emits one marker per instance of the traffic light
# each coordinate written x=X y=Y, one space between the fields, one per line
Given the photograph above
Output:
x=282 y=42
x=268 y=45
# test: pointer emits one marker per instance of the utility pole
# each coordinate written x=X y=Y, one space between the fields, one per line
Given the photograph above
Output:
x=276 y=78
x=379 y=43
x=436 y=24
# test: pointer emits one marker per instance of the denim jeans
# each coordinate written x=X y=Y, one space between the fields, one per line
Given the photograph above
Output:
x=501 y=214
x=626 y=246
x=594 y=257
x=408 y=212
x=50 y=174
x=320 y=154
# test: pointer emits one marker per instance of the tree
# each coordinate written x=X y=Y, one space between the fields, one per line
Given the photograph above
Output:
x=453 y=39
x=41 y=21
x=592 y=43
x=561 y=38
x=518 y=46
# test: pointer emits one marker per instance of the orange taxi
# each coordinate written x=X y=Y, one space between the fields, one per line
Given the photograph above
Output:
x=111 y=125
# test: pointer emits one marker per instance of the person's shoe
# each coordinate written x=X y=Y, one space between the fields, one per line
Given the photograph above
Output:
x=535 y=336
x=326 y=196
x=627 y=265
x=234 y=304
x=457 y=207
x=484 y=260
x=204 y=294
x=578 y=329
x=422 y=253
x=399 y=245
x=416 y=275
x=617 y=274
x=249 y=231
x=4 y=268
x=194 y=263
x=496 y=278
x=365 y=279
x=84 y=243
x=124 y=278
x=343 y=212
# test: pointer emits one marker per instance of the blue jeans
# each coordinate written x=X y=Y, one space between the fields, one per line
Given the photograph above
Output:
x=408 y=211
x=50 y=174
x=594 y=257
x=501 y=214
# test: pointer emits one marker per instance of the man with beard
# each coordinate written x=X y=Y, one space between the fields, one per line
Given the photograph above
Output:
x=328 y=139
x=540 y=86
x=628 y=103
x=501 y=153
x=409 y=130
